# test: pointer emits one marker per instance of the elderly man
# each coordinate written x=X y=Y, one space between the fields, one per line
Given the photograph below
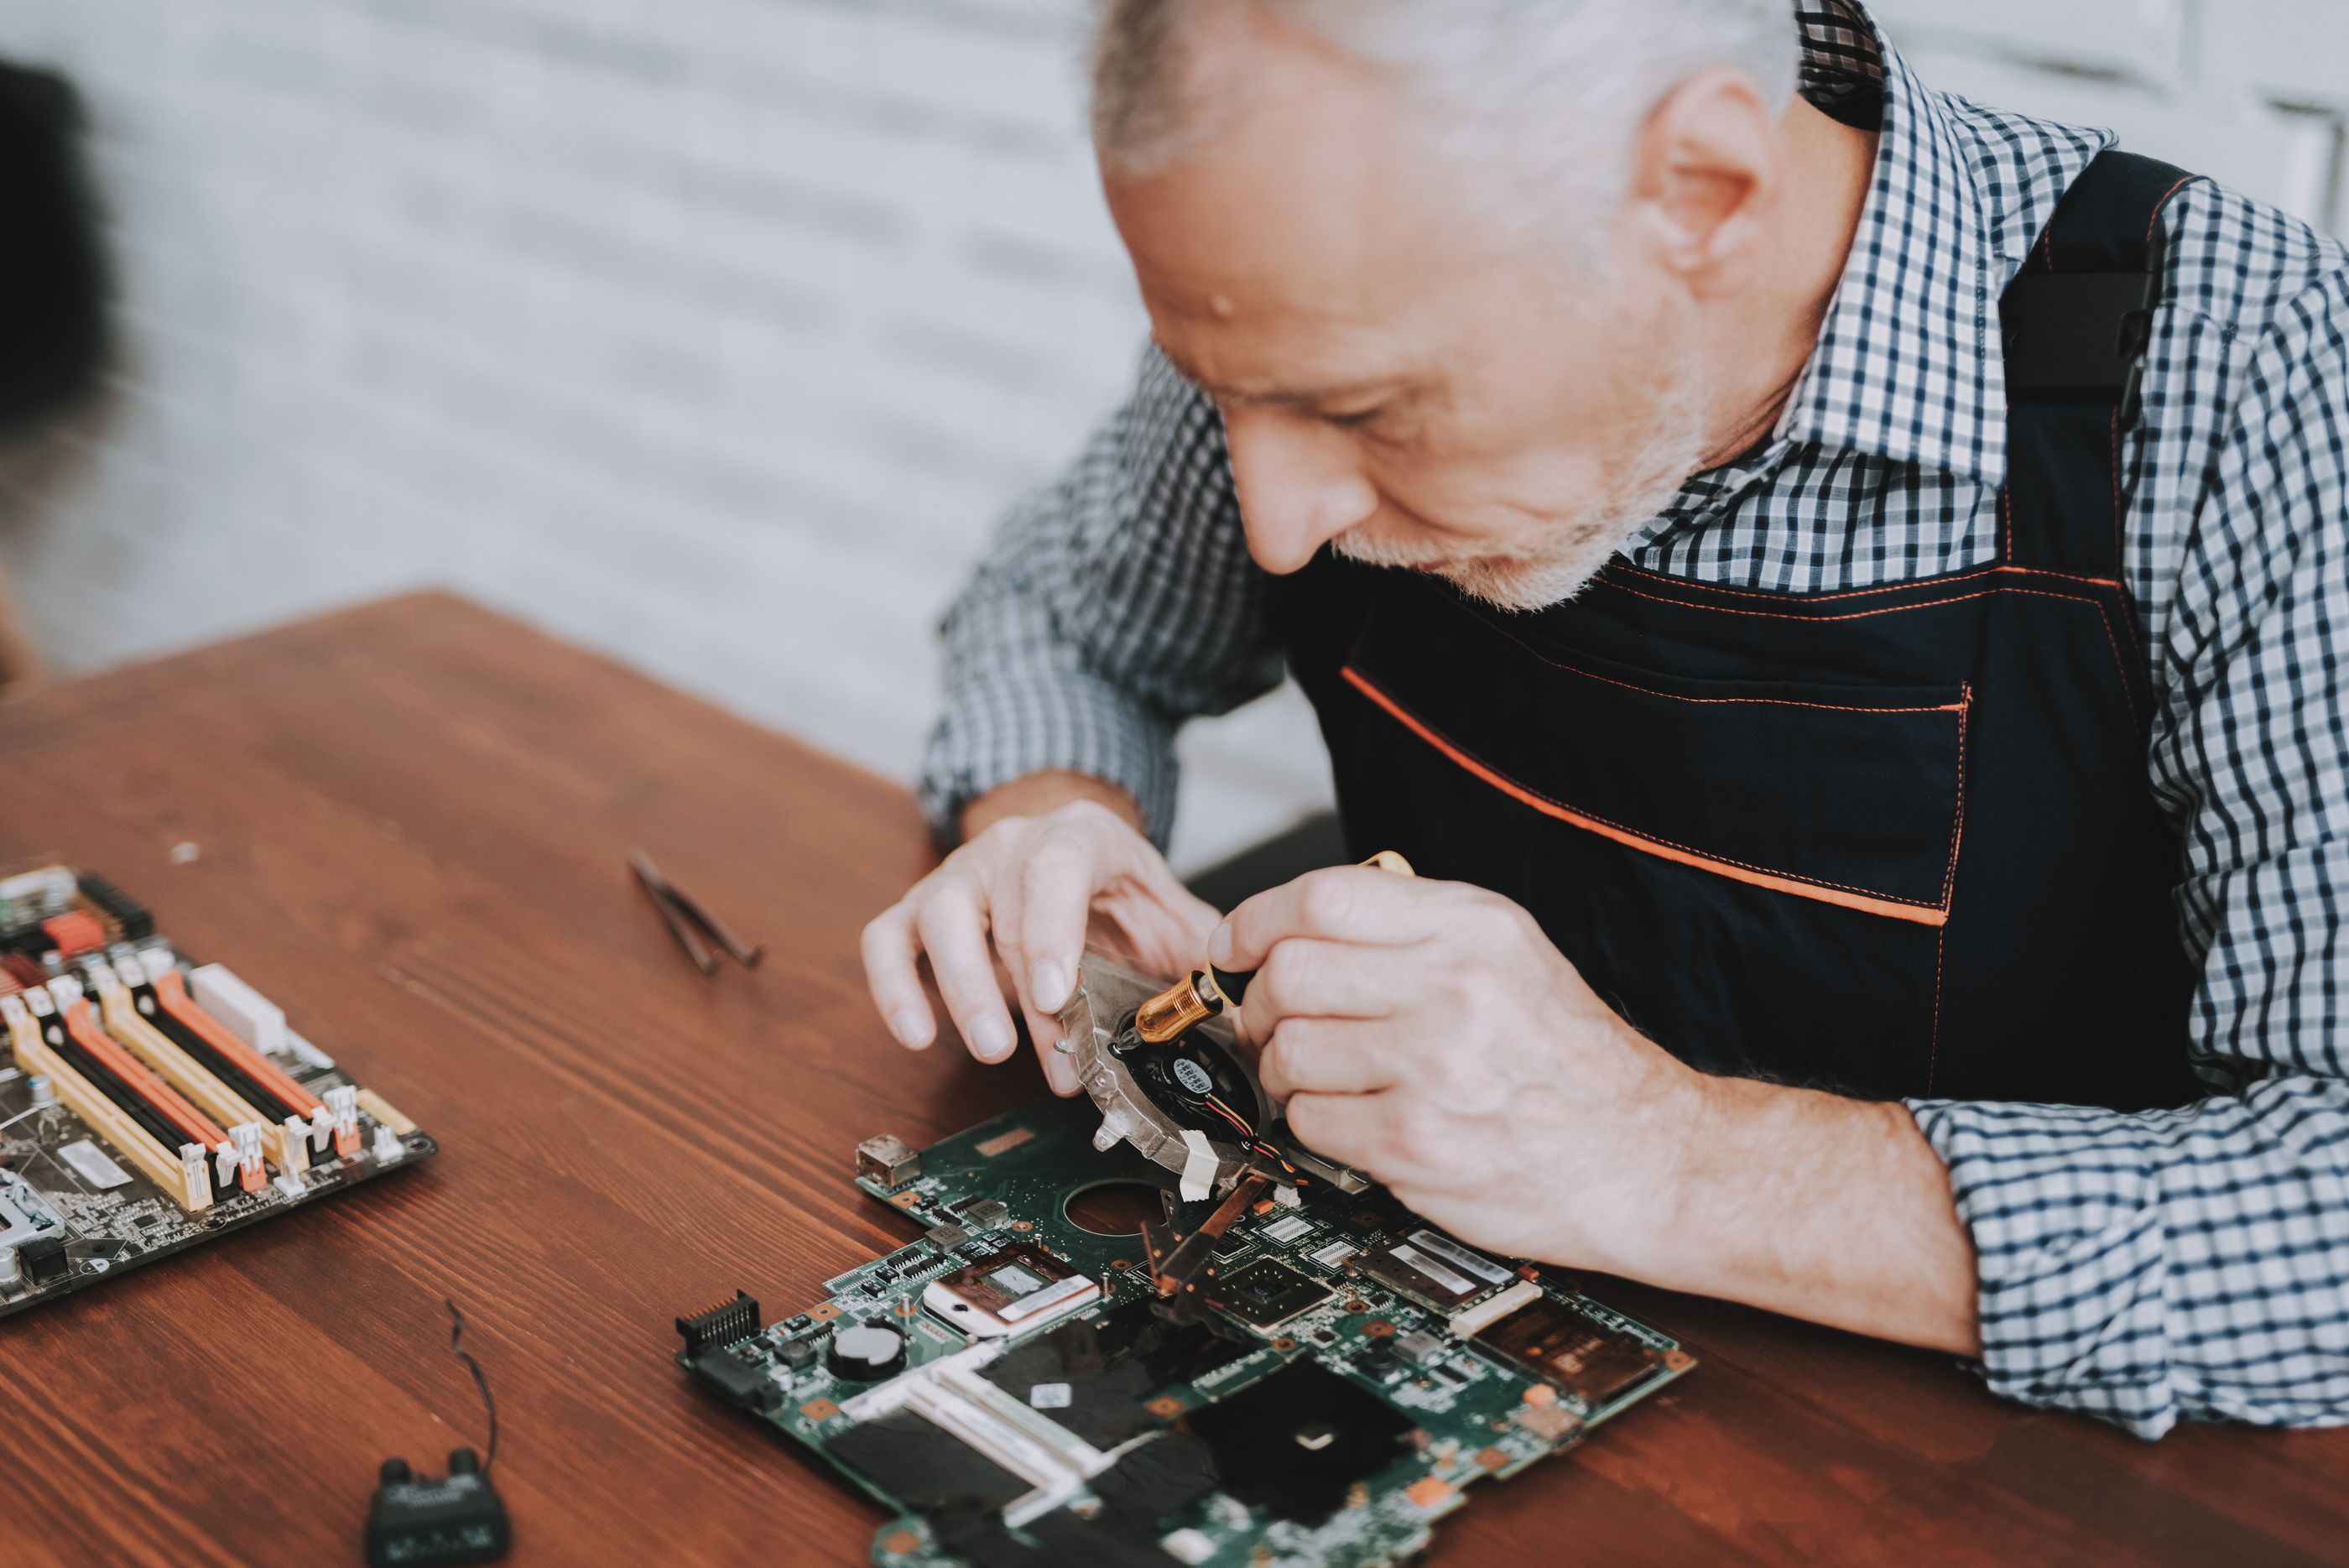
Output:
x=1879 y=788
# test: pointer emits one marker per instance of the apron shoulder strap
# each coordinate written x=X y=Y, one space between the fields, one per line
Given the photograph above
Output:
x=2073 y=325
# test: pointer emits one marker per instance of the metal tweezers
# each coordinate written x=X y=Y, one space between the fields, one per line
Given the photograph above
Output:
x=689 y=922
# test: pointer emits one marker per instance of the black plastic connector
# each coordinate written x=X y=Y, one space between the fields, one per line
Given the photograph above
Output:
x=127 y=912
x=723 y=1325
x=427 y=1523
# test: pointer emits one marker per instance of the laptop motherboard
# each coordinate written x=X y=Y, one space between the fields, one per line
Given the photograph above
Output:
x=1014 y=1388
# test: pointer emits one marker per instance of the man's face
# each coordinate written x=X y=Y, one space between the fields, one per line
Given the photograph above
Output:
x=1400 y=374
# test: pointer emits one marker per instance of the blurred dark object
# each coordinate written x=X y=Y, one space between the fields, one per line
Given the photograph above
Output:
x=53 y=282
x=1316 y=842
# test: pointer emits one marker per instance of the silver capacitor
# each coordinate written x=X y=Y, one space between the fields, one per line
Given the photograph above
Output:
x=12 y=1268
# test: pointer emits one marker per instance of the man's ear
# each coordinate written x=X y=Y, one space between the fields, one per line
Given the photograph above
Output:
x=1705 y=173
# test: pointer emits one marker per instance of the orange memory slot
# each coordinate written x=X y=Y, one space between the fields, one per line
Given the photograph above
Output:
x=172 y=991
x=135 y=1073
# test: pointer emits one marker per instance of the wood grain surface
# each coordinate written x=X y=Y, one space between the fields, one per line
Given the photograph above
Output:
x=413 y=820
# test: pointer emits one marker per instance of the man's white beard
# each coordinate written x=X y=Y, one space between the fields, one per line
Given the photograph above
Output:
x=1573 y=546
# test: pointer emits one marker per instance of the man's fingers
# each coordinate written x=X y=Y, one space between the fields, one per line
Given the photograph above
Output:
x=1348 y=1128
x=1342 y=903
x=954 y=932
x=889 y=950
x=1327 y=1056
x=1056 y=893
x=1059 y=1068
x=1305 y=978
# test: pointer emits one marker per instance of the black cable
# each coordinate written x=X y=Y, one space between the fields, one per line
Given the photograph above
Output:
x=457 y=1348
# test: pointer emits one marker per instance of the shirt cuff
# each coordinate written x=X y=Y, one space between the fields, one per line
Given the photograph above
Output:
x=997 y=728
x=2063 y=1203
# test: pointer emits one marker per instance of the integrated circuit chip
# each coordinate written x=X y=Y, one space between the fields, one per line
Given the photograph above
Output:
x=1436 y=1272
x=1021 y=1287
x=1295 y=1443
x=1583 y=1356
x=1268 y=1291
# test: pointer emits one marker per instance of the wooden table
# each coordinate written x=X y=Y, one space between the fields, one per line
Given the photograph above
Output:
x=411 y=820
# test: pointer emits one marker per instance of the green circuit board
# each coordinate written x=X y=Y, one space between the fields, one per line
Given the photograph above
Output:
x=1342 y=1374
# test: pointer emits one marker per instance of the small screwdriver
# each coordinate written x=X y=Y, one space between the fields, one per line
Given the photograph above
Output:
x=1207 y=992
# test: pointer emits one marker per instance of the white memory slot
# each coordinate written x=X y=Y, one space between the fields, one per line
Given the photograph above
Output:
x=250 y=1016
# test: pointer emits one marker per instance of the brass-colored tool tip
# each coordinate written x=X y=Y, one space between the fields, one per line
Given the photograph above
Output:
x=1176 y=1010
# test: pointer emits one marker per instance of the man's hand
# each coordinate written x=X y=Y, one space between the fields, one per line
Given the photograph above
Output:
x=1022 y=891
x=1430 y=1035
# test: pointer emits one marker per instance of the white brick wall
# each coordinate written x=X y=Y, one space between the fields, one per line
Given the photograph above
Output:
x=712 y=332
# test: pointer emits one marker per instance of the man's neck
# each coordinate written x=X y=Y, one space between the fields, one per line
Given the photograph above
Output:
x=1829 y=169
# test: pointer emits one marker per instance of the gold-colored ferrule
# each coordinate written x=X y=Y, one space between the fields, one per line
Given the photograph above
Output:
x=1188 y=1002
x=1177 y=1008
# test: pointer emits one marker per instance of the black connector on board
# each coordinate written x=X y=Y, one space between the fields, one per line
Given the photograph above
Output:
x=728 y=1322
x=424 y=1523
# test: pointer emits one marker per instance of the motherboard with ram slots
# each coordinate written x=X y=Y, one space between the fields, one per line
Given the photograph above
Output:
x=1017 y=1389
x=149 y=1105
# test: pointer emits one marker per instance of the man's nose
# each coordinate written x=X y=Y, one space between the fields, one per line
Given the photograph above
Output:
x=1300 y=484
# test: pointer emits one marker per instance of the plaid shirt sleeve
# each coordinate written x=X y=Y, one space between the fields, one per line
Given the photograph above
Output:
x=2194 y=1263
x=1113 y=603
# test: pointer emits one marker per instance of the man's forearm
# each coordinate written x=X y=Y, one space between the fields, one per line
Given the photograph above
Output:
x=1033 y=795
x=1818 y=1207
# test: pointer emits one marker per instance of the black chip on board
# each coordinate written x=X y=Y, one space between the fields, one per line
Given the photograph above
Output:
x=1153 y=1482
x=1109 y=1367
x=1294 y=1442
x=1266 y=1292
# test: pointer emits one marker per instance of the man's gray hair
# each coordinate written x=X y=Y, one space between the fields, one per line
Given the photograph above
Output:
x=1550 y=93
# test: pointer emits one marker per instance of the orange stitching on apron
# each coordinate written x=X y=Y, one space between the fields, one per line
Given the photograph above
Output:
x=1860 y=898
x=1958 y=825
x=1949 y=896
x=2155 y=222
x=2102 y=618
x=1970 y=575
x=1933 y=1041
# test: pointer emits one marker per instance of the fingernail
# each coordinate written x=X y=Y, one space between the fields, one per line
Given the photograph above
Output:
x=1062 y=1073
x=1048 y=984
x=1219 y=945
x=907 y=1026
x=991 y=1039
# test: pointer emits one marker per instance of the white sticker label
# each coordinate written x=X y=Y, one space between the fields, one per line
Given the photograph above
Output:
x=1199 y=1167
x=1052 y=1295
x=1286 y=1229
x=89 y=1162
x=1048 y=1395
x=1460 y=1257
x=1192 y=1077
x=1017 y=1280
x=1406 y=1253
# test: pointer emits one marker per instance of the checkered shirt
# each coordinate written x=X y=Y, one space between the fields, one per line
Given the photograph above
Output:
x=2145 y=1267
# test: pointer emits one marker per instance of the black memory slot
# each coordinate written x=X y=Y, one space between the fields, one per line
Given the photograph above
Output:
x=134 y=1105
x=252 y=1091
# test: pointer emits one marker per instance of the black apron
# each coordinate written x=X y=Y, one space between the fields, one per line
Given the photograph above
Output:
x=1893 y=841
